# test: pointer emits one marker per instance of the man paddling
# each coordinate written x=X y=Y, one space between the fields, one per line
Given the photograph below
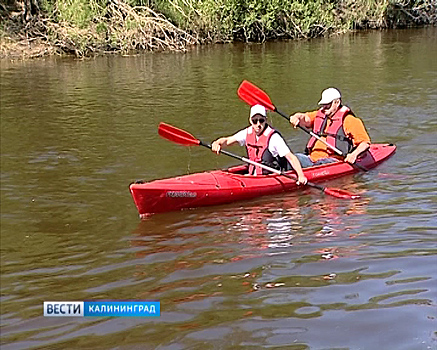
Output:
x=264 y=145
x=337 y=125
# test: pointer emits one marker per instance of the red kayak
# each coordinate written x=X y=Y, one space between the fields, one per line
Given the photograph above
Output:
x=231 y=185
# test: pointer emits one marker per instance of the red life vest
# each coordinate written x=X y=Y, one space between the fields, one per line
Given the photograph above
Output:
x=335 y=135
x=257 y=150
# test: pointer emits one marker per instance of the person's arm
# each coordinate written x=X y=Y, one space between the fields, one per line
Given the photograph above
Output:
x=279 y=147
x=301 y=178
x=352 y=157
x=222 y=142
x=303 y=119
x=354 y=127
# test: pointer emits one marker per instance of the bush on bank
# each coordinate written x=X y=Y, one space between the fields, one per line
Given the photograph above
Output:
x=87 y=27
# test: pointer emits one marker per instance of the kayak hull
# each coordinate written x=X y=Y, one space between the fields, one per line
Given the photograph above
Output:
x=226 y=186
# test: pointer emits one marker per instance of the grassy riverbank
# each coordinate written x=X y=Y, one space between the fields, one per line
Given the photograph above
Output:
x=32 y=28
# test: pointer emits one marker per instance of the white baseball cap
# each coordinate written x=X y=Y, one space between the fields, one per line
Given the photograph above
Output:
x=329 y=95
x=258 y=109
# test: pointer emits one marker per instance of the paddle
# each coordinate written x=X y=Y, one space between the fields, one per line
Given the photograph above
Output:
x=253 y=95
x=182 y=137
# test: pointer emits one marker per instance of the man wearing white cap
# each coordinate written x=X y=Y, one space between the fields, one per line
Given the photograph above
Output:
x=337 y=125
x=263 y=144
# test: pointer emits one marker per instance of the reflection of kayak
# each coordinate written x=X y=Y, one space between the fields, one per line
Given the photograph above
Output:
x=231 y=185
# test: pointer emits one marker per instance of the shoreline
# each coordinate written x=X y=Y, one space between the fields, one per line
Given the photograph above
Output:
x=34 y=30
x=34 y=48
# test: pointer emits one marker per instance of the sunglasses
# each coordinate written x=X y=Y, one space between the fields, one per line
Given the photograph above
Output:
x=327 y=106
x=260 y=120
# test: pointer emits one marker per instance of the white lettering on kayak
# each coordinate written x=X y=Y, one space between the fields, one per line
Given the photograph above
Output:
x=321 y=173
x=183 y=194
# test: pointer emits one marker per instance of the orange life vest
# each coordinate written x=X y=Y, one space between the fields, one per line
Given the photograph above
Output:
x=334 y=133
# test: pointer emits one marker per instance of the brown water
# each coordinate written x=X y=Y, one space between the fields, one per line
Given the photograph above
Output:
x=296 y=271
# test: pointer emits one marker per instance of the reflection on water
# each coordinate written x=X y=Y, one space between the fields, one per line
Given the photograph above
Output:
x=298 y=270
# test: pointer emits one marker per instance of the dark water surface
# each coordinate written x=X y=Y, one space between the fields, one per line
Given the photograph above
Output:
x=296 y=271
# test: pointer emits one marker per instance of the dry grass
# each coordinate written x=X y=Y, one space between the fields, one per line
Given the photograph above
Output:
x=19 y=48
x=123 y=29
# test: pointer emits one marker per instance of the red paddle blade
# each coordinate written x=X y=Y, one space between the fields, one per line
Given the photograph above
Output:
x=179 y=136
x=336 y=192
x=253 y=95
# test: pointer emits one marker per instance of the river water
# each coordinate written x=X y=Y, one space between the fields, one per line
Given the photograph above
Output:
x=294 y=271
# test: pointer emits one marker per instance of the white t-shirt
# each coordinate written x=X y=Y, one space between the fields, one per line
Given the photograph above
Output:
x=277 y=145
